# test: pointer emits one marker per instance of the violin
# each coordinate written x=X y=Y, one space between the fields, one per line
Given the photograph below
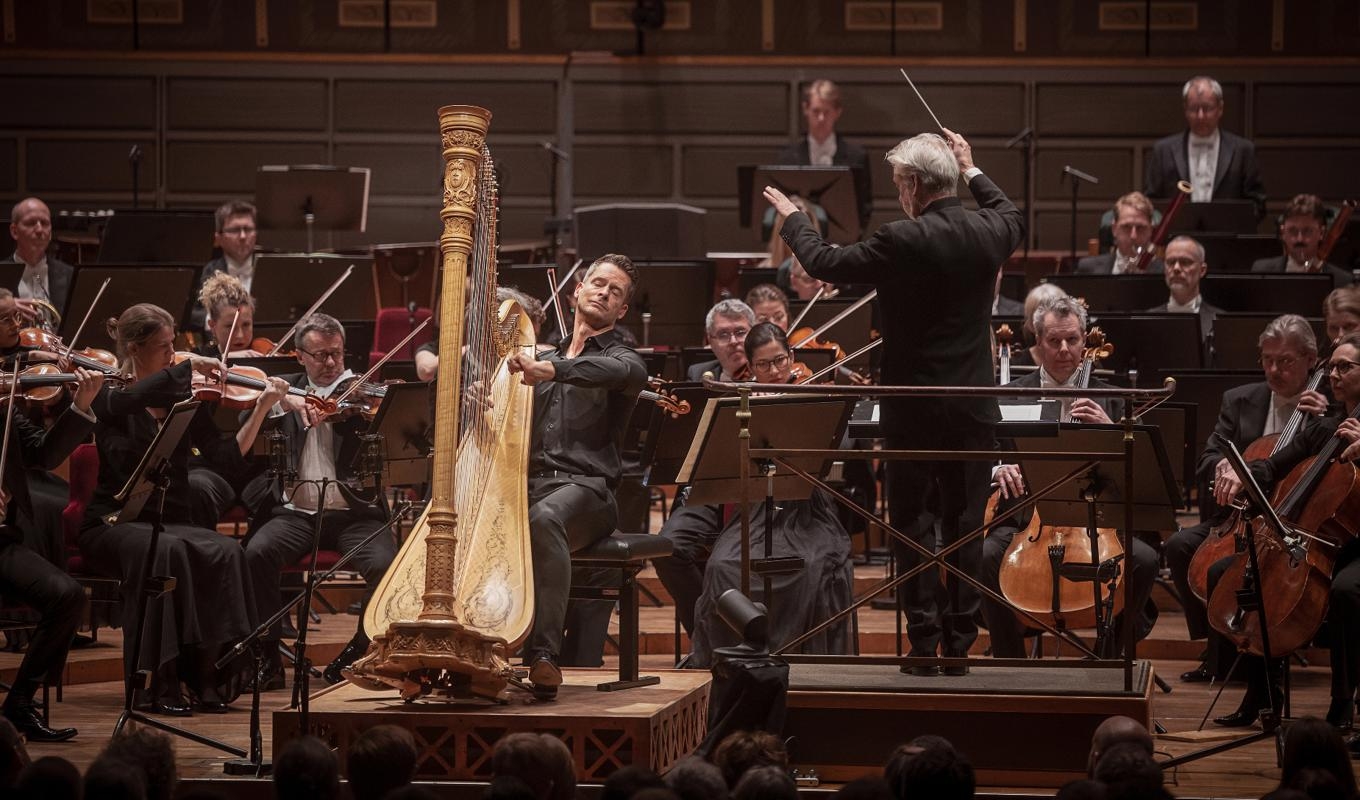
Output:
x=239 y=388
x=666 y=400
x=42 y=384
x=88 y=357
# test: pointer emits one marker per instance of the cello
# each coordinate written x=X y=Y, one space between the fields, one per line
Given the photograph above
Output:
x=1030 y=576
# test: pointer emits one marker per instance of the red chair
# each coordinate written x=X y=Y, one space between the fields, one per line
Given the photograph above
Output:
x=392 y=325
x=103 y=590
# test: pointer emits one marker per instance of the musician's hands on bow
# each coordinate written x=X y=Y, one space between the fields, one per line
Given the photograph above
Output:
x=533 y=371
x=1009 y=481
x=963 y=152
x=88 y=384
x=1313 y=402
x=1349 y=430
x=1226 y=483
x=783 y=206
x=1084 y=409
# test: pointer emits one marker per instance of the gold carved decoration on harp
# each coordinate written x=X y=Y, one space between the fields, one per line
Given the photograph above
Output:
x=459 y=597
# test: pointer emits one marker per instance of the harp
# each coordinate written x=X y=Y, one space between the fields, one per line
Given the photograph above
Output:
x=459 y=597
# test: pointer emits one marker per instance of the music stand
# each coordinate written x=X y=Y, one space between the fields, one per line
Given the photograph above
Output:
x=1154 y=344
x=1113 y=292
x=309 y=196
x=1231 y=252
x=835 y=189
x=1226 y=216
x=286 y=285
x=1236 y=334
x=1277 y=293
x=165 y=286
x=157 y=237
x=403 y=420
x=676 y=294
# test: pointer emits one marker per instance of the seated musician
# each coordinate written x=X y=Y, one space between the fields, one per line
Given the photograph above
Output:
x=319 y=447
x=1343 y=605
x=1185 y=268
x=1132 y=230
x=1061 y=327
x=235 y=235
x=1039 y=295
x=770 y=304
x=29 y=577
x=726 y=326
x=1302 y=227
x=1218 y=165
x=810 y=529
x=186 y=629
x=1341 y=312
x=1288 y=352
x=584 y=392
x=45 y=279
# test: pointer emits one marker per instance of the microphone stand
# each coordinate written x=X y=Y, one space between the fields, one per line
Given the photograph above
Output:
x=1025 y=138
x=1077 y=177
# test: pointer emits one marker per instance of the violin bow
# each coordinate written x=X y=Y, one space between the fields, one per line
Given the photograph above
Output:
x=838 y=362
x=556 y=302
x=373 y=369
x=923 y=101
x=71 y=345
x=570 y=273
x=324 y=296
x=821 y=290
x=226 y=349
x=850 y=309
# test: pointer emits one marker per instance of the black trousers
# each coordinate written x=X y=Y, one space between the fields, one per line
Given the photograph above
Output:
x=565 y=515
x=58 y=598
x=213 y=496
x=939 y=614
x=692 y=530
x=1179 y=549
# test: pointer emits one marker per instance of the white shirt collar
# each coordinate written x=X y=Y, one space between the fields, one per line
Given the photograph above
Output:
x=40 y=265
x=1047 y=381
x=821 y=153
x=1290 y=265
x=1123 y=263
x=1191 y=307
x=325 y=391
x=1204 y=141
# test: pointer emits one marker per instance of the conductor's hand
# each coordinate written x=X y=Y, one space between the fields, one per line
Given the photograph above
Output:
x=1349 y=430
x=963 y=153
x=88 y=384
x=1009 y=481
x=783 y=206
x=533 y=370
x=1313 y=402
x=1084 y=409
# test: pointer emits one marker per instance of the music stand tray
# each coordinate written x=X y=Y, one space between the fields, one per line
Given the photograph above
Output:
x=140 y=486
x=403 y=420
x=832 y=188
x=311 y=196
x=1226 y=216
x=157 y=237
x=287 y=285
x=166 y=286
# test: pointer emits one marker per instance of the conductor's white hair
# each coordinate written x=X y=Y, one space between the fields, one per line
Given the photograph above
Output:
x=927 y=156
x=1214 y=87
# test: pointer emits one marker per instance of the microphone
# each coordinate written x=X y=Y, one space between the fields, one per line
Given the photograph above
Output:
x=411 y=313
x=555 y=150
x=1079 y=175
x=1027 y=133
x=280 y=456
x=135 y=154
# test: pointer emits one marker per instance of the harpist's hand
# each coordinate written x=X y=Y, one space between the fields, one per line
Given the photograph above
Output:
x=533 y=370
x=783 y=206
x=478 y=395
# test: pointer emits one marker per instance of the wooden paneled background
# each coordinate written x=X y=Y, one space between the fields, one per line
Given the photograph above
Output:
x=211 y=89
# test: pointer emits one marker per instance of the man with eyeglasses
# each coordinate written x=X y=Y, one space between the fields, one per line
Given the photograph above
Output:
x=726 y=326
x=1185 y=268
x=1131 y=226
x=45 y=278
x=235 y=236
x=1343 y=597
x=319 y=447
x=1302 y=226
x=1288 y=352
x=1218 y=165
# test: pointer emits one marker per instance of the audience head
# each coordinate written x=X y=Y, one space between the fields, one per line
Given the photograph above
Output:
x=1341 y=312
x=770 y=304
x=114 y=779
x=1081 y=789
x=693 y=778
x=1302 y=226
x=744 y=750
x=924 y=169
x=768 y=353
x=13 y=755
x=627 y=781
x=1311 y=744
x=1128 y=771
x=929 y=766
x=1345 y=378
x=1060 y=336
x=1116 y=730
x=380 y=760
x=1288 y=351
x=821 y=108
x=870 y=787
x=1202 y=99
x=235 y=234
x=144 y=336
x=1185 y=267
x=30 y=224
x=412 y=792
x=508 y=787
x=320 y=344
x=1132 y=223
x=540 y=760
x=225 y=300
x=49 y=778
x=307 y=769
x=606 y=289
x=1040 y=294
x=151 y=752
x=765 y=783
x=726 y=326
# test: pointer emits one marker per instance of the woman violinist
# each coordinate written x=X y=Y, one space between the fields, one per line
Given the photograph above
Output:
x=230 y=312
x=1342 y=610
x=186 y=629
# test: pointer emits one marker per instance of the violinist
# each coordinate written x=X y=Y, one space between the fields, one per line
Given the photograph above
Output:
x=770 y=304
x=230 y=311
x=1343 y=608
x=45 y=279
x=1288 y=352
x=725 y=327
x=1302 y=227
x=1061 y=327
x=186 y=629
x=810 y=529
x=319 y=447
x=1131 y=228
x=30 y=577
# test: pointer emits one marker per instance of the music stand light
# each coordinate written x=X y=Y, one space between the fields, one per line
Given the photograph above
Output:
x=311 y=196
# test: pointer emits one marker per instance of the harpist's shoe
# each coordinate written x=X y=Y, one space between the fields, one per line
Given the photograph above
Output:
x=1241 y=718
x=546 y=676
x=349 y=655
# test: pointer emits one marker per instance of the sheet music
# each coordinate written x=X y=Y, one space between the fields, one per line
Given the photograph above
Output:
x=697 y=446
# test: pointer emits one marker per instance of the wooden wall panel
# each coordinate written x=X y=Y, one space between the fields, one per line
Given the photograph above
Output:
x=1144 y=110
x=9 y=167
x=1332 y=173
x=1053 y=229
x=1300 y=109
x=711 y=171
x=673 y=108
x=622 y=172
x=525 y=171
x=80 y=101
x=1114 y=169
x=723 y=232
x=412 y=106
x=69 y=165
x=993 y=109
x=246 y=104
x=228 y=168
x=397 y=169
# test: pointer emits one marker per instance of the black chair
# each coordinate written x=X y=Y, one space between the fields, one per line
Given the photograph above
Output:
x=628 y=553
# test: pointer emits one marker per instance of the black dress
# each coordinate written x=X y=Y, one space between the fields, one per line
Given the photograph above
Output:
x=210 y=606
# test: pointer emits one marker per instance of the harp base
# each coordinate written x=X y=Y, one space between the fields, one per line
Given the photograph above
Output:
x=418 y=657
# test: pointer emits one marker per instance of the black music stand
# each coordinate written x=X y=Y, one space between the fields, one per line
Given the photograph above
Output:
x=311 y=196
x=157 y=237
x=10 y=275
x=148 y=484
x=166 y=286
x=1232 y=252
x=835 y=189
x=676 y=294
x=286 y=285
x=1114 y=292
x=1278 y=293
x=1151 y=345
x=1236 y=334
x=1227 y=216
x=403 y=420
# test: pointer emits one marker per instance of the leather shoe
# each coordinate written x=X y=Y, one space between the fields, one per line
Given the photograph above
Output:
x=546 y=676
x=1353 y=745
x=956 y=671
x=1241 y=718
x=1338 y=714
x=28 y=721
x=167 y=707
x=925 y=671
x=1200 y=674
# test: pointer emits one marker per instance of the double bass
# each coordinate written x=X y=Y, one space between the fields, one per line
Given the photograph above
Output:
x=1030 y=576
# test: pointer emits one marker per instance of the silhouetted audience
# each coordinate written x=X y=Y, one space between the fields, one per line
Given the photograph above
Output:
x=383 y=758
x=1082 y=789
x=1113 y=731
x=541 y=760
x=307 y=769
x=745 y=750
x=693 y=778
x=114 y=779
x=656 y=793
x=150 y=752
x=1312 y=745
x=508 y=787
x=49 y=778
x=765 y=783
x=412 y=792
x=929 y=766
x=1129 y=773
x=13 y=755
x=627 y=781
x=870 y=787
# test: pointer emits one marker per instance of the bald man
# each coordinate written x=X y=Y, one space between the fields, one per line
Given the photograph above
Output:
x=1113 y=731
x=44 y=278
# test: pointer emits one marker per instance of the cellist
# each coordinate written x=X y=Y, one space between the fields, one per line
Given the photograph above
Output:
x=1343 y=613
x=1060 y=325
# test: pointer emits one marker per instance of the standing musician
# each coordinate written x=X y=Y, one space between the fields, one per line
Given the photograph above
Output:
x=1132 y=230
x=319 y=447
x=1302 y=227
x=209 y=607
x=725 y=327
x=29 y=577
x=1061 y=326
x=1218 y=164
x=235 y=235
x=823 y=147
x=584 y=392
x=1185 y=268
x=937 y=270
x=45 y=279
x=1288 y=352
x=1343 y=608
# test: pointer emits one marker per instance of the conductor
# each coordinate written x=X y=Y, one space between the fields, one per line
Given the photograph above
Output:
x=936 y=270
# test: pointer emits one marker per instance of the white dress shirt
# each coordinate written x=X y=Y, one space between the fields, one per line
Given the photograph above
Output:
x=243 y=271
x=1191 y=307
x=821 y=154
x=1203 y=155
x=1047 y=381
x=1123 y=263
x=33 y=284
x=1281 y=408
x=317 y=460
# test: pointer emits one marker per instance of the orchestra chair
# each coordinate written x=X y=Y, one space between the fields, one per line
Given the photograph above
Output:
x=102 y=590
x=627 y=553
x=392 y=325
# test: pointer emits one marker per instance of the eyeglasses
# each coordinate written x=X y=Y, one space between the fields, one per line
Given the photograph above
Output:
x=323 y=356
x=240 y=230
x=736 y=335
x=15 y=319
x=1306 y=230
x=1342 y=368
x=1281 y=362
x=778 y=362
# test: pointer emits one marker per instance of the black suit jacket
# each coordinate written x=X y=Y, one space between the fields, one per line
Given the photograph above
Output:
x=1103 y=264
x=848 y=154
x=937 y=274
x=1340 y=277
x=696 y=371
x=32 y=446
x=1114 y=407
x=1207 y=313
x=59 y=275
x=1235 y=178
